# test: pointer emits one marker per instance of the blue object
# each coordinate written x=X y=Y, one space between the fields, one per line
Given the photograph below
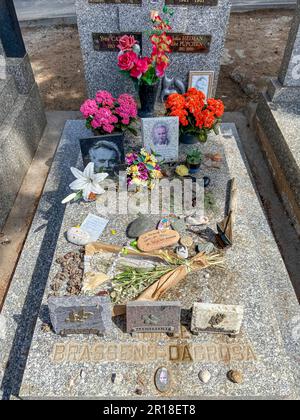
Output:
x=10 y=32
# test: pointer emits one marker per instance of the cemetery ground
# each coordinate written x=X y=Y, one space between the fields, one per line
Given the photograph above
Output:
x=255 y=45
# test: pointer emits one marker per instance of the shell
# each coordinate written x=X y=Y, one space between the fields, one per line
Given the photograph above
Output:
x=204 y=376
x=182 y=252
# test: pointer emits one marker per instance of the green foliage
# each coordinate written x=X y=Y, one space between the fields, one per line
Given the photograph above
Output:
x=194 y=157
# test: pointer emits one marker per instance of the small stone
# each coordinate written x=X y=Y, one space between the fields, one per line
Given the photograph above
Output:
x=164 y=224
x=162 y=380
x=207 y=248
x=46 y=328
x=182 y=252
x=140 y=226
x=138 y=391
x=235 y=376
x=77 y=236
x=206 y=275
x=205 y=376
x=82 y=374
x=113 y=377
x=187 y=241
x=206 y=180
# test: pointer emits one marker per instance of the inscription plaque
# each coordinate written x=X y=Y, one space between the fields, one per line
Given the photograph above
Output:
x=154 y=317
x=109 y=41
x=115 y=2
x=195 y=44
x=191 y=2
x=80 y=315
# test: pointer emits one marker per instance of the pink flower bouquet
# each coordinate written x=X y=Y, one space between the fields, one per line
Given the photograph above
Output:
x=106 y=115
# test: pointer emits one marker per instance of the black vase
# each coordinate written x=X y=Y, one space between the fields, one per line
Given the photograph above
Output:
x=148 y=95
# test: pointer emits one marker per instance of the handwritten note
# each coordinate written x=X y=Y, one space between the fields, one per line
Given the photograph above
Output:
x=94 y=226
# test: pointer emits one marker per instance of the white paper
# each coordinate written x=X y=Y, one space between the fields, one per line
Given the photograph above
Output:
x=94 y=226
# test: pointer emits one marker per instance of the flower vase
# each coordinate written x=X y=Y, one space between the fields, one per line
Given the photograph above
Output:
x=148 y=95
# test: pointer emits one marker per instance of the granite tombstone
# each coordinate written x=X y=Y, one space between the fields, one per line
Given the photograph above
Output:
x=154 y=317
x=80 y=315
x=198 y=28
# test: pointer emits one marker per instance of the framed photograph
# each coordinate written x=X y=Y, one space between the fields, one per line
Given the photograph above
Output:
x=203 y=81
x=162 y=136
x=107 y=152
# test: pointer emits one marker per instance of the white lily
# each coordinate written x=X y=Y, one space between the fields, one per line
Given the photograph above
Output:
x=87 y=181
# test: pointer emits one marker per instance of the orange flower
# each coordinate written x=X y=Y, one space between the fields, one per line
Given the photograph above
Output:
x=216 y=106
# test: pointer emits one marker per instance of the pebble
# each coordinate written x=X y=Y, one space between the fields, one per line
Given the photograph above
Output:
x=235 y=376
x=162 y=380
x=82 y=374
x=138 y=391
x=140 y=226
x=187 y=241
x=208 y=248
x=205 y=376
x=182 y=252
x=77 y=236
x=206 y=275
x=46 y=328
x=206 y=180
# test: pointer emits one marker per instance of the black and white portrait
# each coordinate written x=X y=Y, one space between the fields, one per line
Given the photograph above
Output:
x=161 y=135
x=202 y=81
x=106 y=152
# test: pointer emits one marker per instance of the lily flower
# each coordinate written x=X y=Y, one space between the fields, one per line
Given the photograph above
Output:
x=88 y=181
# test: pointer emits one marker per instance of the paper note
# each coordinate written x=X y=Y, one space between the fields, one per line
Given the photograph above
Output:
x=94 y=226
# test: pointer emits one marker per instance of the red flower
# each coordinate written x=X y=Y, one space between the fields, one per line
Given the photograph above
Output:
x=140 y=67
x=127 y=60
x=127 y=42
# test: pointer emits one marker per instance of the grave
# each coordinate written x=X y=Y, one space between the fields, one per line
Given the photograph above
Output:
x=22 y=118
x=266 y=351
x=278 y=124
x=198 y=28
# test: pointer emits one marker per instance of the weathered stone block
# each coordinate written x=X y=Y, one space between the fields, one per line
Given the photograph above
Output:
x=226 y=319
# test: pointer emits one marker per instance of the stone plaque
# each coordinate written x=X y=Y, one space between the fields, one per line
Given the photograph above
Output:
x=80 y=315
x=191 y=44
x=157 y=239
x=226 y=319
x=115 y=2
x=109 y=41
x=154 y=317
x=191 y=2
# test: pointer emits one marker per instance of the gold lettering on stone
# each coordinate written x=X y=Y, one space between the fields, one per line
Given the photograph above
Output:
x=59 y=353
x=142 y=353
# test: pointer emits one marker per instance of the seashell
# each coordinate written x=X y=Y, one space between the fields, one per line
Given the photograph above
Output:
x=78 y=236
x=205 y=376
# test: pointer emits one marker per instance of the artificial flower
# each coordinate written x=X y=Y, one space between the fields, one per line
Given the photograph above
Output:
x=182 y=170
x=87 y=181
x=127 y=42
x=127 y=61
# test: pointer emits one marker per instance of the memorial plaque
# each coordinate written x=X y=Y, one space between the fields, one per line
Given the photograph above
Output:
x=80 y=315
x=109 y=41
x=154 y=317
x=226 y=319
x=191 y=2
x=196 y=44
x=116 y=1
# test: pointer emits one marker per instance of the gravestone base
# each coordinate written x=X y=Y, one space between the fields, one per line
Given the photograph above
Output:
x=266 y=351
x=20 y=132
x=280 y=94
x=278 y=128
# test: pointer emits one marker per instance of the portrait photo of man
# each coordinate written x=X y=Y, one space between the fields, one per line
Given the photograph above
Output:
x=202 y=81
x=106 y=153
x=160 y=135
